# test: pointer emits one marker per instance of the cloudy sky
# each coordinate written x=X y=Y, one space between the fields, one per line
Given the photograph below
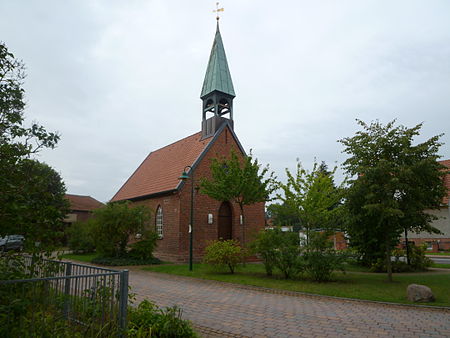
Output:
x=118 y=79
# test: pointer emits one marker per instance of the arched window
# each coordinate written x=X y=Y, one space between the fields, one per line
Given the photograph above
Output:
x=159 y=222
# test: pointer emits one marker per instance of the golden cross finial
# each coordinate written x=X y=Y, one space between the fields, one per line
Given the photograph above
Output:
x=217 y=10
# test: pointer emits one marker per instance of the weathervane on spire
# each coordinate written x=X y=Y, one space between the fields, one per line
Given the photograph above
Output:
x=217 y=10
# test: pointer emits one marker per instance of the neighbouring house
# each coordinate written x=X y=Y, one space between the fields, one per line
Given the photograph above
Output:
x=81 y=208
x=436 y=242
x=156 y=182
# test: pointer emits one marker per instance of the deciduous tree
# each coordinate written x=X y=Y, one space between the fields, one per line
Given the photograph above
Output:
x=25 y=201
x=312 y=197
x=240 y=180
x=394 y=181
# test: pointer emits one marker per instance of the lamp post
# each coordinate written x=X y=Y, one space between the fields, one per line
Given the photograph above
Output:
x=184 y=176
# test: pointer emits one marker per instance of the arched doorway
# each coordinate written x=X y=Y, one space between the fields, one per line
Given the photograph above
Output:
x=225 y=230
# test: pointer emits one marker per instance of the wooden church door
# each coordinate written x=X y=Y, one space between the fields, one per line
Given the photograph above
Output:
x=225 y=230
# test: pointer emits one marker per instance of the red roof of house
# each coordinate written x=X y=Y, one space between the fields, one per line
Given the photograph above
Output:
x=83 y=203
x=161 y=170
x=446 y=181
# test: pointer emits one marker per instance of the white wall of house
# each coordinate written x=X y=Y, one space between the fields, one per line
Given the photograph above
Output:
x=443 y=224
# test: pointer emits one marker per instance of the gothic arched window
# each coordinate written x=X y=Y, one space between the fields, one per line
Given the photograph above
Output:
x=159 y=222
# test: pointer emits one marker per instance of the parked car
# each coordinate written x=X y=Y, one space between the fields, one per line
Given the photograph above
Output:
x=11 y=242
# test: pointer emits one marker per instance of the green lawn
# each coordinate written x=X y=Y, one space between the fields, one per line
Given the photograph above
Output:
x=359 y=285
x=437 y=253
x=442 y=266
x=87 y=258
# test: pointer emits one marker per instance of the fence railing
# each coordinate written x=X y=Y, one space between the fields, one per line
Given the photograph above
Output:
x=91 y=298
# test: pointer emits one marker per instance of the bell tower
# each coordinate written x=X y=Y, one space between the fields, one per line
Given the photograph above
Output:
x=217 y=91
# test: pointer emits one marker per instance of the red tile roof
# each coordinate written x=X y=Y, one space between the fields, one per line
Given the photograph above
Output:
x=446 y=181
x=83 y=203
x=161 y=169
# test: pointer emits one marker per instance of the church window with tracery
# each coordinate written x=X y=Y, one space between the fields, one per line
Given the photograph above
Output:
x=159 y=222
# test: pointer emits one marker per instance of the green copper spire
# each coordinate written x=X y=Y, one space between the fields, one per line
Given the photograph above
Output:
x=217 y=74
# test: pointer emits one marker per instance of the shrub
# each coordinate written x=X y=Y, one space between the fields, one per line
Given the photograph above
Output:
x=224 y=253
x=279 y=250
x=148 y=320
x=124 y=261
x=115 y=223
x=266 y=245
x=80 y=238
x=144 y=248
x=417 y=259
x=321 y=259
x=288 y=257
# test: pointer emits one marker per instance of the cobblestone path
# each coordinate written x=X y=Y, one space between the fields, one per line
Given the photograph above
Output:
x=225 y=310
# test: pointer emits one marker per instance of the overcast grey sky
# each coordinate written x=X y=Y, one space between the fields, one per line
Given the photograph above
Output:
x=119 y=79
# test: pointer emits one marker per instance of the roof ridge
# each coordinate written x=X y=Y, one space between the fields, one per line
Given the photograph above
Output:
x=79 y=195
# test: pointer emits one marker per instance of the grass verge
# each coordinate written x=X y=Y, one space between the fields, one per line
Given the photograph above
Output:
x=439 y=265
x=358 y=285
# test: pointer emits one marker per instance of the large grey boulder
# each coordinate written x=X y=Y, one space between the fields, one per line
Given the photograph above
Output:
x=419 y=293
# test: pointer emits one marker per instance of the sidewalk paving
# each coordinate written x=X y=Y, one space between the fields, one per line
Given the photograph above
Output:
x=225 y=310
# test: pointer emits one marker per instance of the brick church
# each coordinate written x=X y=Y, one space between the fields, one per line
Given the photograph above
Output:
x=156 y=182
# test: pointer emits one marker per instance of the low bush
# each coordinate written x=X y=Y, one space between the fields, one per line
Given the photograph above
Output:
x=148 y=320
x=417 y=260
x=266 y=245
x=143 y=249
x=280 y=250
x=321 y=259
x=115 y=224
x=224 y=253
x=80 y=238
x=124 y=261
x=288 y=258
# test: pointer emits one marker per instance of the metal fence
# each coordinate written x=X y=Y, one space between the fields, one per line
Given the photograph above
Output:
x=91 y=299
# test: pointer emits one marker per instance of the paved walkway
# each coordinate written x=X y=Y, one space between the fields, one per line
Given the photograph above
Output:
x=222 y=310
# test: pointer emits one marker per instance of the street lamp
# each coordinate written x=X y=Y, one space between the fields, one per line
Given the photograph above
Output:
x=184 y=176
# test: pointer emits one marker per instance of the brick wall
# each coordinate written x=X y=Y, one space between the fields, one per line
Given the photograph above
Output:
x=168 y=246
x=174 y=246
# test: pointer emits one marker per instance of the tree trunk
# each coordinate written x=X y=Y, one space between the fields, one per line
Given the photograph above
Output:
x=243 y=225
x=407 y=247
x=388 y=259
x=243 y=229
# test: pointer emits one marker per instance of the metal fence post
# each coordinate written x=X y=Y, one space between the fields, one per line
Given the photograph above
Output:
x=67 y=289
x=123 y=301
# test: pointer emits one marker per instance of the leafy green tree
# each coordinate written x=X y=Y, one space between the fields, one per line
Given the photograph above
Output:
x=43 y=205
x=394 y=182
x=17 y=143
x=312 y=197
x=38 y=205
x=282 y=215
x=240 y=180
x=115 y=223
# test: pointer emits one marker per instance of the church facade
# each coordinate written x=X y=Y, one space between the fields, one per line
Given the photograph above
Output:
x=156 y=182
